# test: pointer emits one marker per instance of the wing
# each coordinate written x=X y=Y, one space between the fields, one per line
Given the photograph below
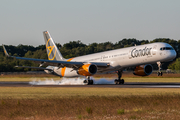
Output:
x=63 y=63
x=40 y=68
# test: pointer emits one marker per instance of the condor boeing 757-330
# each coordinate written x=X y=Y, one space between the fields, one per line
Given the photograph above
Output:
x=141 y=57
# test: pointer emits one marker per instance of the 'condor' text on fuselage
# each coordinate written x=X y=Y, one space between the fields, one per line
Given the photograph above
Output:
x=140 y=52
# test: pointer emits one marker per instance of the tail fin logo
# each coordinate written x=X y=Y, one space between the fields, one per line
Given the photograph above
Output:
x=51 y=53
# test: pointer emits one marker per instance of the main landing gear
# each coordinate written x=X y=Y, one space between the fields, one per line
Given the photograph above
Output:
x=119 y=80
x=89 y=81
x=159 y=73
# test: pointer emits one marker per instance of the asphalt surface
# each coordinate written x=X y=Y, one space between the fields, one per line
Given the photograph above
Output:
x=125 y=85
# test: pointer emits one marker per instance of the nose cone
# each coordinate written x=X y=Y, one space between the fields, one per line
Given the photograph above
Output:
x=173 y=54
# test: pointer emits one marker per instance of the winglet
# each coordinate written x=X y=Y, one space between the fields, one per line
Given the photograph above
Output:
x=5 y=51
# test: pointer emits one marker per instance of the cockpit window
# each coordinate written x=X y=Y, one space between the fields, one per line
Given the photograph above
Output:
x=166 y=48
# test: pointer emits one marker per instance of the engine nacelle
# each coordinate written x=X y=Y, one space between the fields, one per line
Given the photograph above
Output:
x=143 y=70
x=87 y=70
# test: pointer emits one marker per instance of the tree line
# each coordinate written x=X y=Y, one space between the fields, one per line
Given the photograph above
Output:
x=74 y=49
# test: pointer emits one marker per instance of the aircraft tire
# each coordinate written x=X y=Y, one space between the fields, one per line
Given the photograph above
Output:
x=122 y=81
x=90 y=82
x=158 y=73
x=119 y=82
x=85 y=81
x=116 y=81
x=161 y=73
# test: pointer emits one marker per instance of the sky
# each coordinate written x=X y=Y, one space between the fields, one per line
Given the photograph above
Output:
x=23 y=21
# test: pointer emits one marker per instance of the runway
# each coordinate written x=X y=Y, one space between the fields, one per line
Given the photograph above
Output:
x=126 y=85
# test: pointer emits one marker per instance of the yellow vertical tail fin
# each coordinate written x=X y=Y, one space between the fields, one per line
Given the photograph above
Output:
x=51 y=48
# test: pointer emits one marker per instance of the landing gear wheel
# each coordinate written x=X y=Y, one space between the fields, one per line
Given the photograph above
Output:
x=118 y=82
x=85 y=81
x=122 y=81
x=159 y=66
x=159 y=73
x=90 y=82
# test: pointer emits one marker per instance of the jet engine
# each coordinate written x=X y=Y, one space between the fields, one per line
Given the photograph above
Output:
x=87 y=70
x=143 y=70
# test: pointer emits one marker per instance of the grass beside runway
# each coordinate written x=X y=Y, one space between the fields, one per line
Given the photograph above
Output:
x=89 y=103
x=50 y=92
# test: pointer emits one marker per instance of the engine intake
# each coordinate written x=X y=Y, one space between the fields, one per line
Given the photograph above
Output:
x=143 y=70
x=87 y=70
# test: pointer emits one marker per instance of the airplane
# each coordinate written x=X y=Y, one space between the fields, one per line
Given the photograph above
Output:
x=141 y=57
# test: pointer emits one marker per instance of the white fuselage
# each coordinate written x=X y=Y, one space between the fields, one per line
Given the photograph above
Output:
x=125 y=57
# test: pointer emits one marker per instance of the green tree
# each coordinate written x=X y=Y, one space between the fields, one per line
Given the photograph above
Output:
x=175 y=65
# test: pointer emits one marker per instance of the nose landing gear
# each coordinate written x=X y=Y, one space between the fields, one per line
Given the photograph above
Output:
x=159 y=73
x=119 y=80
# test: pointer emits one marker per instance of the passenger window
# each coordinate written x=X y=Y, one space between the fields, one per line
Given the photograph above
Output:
x=169 y=48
